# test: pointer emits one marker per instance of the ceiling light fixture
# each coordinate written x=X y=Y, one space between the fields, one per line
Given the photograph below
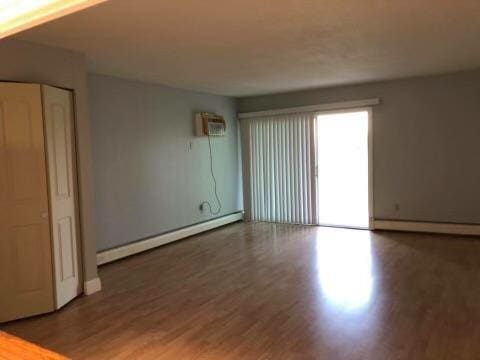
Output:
x=18 y=15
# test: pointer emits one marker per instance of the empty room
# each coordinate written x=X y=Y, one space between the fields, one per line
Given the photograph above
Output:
x=257 y=179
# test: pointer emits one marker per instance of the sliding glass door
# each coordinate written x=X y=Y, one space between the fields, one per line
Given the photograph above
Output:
x=309 y=168
x=343 y=169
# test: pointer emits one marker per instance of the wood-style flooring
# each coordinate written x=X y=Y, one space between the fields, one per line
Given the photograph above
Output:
x=13 y=348
x=265 y=291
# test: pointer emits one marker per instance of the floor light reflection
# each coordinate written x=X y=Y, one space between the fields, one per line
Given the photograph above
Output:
x=344 y=266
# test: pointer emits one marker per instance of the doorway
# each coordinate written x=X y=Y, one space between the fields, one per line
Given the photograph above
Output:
x=343 y=151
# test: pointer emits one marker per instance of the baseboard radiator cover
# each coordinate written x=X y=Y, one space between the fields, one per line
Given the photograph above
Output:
x=428 y=227
x=121 y=252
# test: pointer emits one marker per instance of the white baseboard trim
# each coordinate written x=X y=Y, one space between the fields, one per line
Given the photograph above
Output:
x=92 y=286
x=107 y=256
x=429 y=227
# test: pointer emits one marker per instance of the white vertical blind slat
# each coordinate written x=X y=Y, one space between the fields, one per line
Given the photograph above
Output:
x=275 y=172
x=290 y=174
x=301 y=188
x=298 y=167
x=308 y=170
x=282 y=173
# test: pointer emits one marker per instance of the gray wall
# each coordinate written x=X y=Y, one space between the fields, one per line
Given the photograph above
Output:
x=147 y=178
x=27 y=62
x=426 y=143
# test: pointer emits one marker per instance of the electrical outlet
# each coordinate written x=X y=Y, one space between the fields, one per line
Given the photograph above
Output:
x=396 y=207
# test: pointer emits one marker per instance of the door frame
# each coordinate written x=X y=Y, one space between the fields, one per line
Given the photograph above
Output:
x=371 y=199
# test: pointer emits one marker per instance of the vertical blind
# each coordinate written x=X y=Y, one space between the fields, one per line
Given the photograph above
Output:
x=281 y=167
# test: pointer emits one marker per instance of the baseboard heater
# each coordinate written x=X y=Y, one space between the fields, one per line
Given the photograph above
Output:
x=107 y=256
x=428 y=227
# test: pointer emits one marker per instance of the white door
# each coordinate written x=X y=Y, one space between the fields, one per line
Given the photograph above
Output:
x=343 y=175
x=26 y=286
x=59 y=134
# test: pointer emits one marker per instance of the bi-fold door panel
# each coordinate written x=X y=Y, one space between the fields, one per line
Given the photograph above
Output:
x=25 y=247
x=59 y=130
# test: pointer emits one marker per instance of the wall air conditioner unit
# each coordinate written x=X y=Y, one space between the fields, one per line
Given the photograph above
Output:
x=209 y=124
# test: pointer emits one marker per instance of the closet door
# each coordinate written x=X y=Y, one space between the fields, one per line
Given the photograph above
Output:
x=26 y=286
x=59 y=132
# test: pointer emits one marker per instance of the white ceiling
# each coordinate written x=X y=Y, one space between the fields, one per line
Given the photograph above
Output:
x=247 y=47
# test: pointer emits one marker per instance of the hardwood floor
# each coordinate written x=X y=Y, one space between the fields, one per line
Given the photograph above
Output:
x=12 y=347
x=264 y=291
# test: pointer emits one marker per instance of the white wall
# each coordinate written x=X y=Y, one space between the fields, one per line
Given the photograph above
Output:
x=426 y=155
x=147 y=178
